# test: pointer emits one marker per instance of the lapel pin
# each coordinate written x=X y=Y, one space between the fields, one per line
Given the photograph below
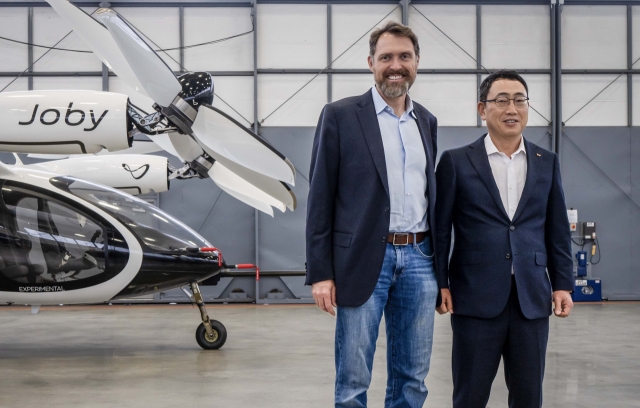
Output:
x=539 y=155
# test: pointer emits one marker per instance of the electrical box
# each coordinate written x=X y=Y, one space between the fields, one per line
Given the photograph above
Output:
x=587 y=290
x=581 y=257
x=573 y=219
x=587 y=230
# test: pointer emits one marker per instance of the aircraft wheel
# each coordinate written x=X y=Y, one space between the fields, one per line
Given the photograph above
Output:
x=211 y=342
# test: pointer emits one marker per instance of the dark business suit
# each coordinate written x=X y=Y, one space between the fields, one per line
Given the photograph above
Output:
x=496 y=313
x=348 y=207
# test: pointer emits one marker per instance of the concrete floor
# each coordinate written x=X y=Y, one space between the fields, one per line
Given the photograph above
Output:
x=275 y=357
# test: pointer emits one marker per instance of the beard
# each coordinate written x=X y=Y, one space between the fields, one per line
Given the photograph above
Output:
x=395 y=90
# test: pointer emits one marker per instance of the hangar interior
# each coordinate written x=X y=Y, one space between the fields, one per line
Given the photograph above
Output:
x=276 y=83
x=275 y=64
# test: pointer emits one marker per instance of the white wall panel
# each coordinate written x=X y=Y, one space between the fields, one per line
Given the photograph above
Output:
x=75 y=83
x=608 y=109
x=345 y=85
x=213 y=23
x=436 y=50
x=21 y=84
x=237 y=92
x=48 y=29
x=292 y=36
x=636 y=100
x=303 y=110
x=451 y=98
x=594 y=37
x=516 y=37
x=13 y=24
x=161 y=25
x=349 y=22
x=539 y=99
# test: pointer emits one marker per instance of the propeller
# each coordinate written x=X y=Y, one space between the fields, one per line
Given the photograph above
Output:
x=239 y=161
x=250 y=184
x=98 y=38
x=156 y=77
x=232 y=183
x=218 y=132
x=277 y=191
x=258 y=205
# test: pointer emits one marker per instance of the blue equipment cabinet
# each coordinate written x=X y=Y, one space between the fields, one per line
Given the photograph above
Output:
x=587 y=290
x=581 y=257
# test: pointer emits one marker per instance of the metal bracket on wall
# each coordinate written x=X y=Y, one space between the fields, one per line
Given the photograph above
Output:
x=405 y=11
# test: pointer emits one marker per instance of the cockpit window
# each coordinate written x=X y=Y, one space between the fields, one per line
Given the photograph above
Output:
x=48 y=243
x=154 y=228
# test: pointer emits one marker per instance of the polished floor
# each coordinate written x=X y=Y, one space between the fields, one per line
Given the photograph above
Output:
x=275 y=357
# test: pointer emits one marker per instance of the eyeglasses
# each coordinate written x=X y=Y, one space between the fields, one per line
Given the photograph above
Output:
x=502 y=102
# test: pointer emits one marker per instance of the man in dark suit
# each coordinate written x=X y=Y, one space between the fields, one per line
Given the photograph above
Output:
x=512 y=251
x=369 y=216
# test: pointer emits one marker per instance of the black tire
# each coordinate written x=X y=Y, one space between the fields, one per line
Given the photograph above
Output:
x=220 y=336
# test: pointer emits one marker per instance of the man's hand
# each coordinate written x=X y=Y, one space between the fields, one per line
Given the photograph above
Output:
x=562 y=303
x=447 y=303
x=324 y=293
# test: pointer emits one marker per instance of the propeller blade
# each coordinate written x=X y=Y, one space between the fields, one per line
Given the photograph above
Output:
x=164 y=142
x=97 y=37
x=229 y=181
x=249 y=201
x=220 y=134
x=272 y=187
x=156 y=77
x=187 y=148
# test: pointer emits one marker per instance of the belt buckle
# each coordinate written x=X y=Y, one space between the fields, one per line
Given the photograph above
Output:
x=405 y=234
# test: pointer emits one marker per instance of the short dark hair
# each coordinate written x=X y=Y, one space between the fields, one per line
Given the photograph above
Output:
x=510 y=75
x=394 y=28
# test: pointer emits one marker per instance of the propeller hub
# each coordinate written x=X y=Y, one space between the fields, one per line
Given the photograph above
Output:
x=197 y=88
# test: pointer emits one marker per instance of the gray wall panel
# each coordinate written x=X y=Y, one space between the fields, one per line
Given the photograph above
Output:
x=598 y=199
x=282 y=239
x=634 y=221
x=635 y=164
x=609 y=148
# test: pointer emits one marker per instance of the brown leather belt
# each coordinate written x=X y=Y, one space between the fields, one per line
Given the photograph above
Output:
x=405 y=238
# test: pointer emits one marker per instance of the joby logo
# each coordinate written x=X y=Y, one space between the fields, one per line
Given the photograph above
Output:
x=144 y=166
x=47 y=117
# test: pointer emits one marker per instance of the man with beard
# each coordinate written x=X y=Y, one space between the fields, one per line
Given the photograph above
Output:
x=369 y=216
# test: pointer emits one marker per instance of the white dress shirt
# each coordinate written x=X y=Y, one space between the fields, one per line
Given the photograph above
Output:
x=510 y=174
x=406 y=164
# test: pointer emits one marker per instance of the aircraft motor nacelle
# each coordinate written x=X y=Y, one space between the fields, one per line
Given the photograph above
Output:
x=63 y=122
x=131 y=173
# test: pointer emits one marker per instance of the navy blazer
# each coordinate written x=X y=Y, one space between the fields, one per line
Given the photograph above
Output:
x=537 y=242
x=348 y=207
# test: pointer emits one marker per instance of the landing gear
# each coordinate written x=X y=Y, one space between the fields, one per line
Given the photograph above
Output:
x=211 y=334
x=213 y=341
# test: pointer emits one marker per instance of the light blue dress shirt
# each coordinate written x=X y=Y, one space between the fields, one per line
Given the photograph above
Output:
x=406 y=166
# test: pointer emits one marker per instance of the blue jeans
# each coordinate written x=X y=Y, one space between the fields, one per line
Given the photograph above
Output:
x=406 y=293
